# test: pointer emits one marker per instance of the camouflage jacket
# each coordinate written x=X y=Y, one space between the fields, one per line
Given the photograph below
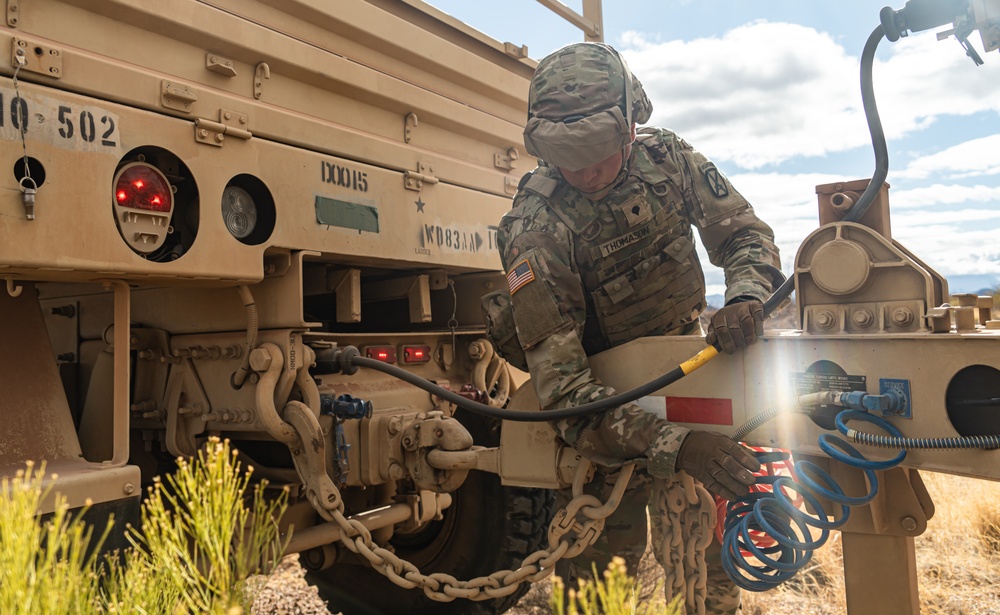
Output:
x=585 y=276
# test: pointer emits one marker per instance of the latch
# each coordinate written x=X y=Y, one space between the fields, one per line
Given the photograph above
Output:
x=232 y=123
x=12 y=13
x=508 y=162
x=177 y=96
x=35 y=57
x=423 y=175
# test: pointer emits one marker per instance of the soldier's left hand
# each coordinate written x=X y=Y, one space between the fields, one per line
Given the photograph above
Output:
x=736 y=326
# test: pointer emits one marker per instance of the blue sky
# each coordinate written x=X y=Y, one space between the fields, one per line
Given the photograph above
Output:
x=769 y=90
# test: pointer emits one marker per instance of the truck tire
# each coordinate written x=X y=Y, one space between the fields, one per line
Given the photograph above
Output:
x=487 y=528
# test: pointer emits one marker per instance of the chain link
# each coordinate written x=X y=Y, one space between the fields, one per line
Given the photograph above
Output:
x=688 y=529
x=443 y=587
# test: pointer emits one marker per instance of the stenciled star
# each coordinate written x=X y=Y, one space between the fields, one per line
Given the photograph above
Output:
x=420 y=205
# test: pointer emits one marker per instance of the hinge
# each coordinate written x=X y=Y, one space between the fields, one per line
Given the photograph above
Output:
x=508 y=162
x=36 y=57
x=219 y=64
x=231 y=123
x=177 y=96
x=423 y=175
x=12 y=13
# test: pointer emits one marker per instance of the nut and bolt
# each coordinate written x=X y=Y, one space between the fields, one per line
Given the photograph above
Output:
x=902 y=316
x=825 y=319
x=909 y=523
x=863 y=318
x=128 y=488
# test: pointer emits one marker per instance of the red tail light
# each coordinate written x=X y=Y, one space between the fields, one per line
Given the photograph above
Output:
x=416 y=354
x=386 y=354
x=141 y=186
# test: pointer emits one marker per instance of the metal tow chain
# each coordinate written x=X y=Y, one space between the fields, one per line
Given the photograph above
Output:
x=535 y=567
x=688 y=530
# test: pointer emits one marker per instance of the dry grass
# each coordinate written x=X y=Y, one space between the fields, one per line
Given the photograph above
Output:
x=958 y=562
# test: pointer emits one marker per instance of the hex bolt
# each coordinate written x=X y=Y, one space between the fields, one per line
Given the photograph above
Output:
x=825 y=319
x=395 y=424
x=128 y=488
x=228 y=115
x=909 y=523
x=902 y=316
x=202 y=133
x=863 y=318
x=220 y=137
x=260 y=360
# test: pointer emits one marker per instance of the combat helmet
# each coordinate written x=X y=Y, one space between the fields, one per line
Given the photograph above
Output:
x=582 y=103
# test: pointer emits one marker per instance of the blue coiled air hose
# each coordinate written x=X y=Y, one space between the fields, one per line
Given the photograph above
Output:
x=774 y=517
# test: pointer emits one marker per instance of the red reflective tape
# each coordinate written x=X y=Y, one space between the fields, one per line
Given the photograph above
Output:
x=703 y=410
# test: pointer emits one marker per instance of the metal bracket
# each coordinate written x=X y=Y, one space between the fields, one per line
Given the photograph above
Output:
x=508 y=161
x=12 y=13
x=510 y=184
x=177 y=96
x=36 y=57
x=232 y=123
x=219 y=64
x=424 y=175
x=515 y=51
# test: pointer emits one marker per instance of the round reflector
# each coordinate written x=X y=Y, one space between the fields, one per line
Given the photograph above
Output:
x=238 y=211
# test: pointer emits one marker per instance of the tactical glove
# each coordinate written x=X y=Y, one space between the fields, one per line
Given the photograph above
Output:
x=725 y=467
x=736 y=326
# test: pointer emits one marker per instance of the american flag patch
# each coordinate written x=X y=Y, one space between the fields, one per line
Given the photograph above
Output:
x=519 y=276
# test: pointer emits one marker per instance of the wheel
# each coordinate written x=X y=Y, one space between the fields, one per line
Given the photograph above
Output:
x=487 y=528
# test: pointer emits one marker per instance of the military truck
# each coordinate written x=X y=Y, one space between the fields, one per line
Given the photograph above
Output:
x=202 y=199
x=215 y=210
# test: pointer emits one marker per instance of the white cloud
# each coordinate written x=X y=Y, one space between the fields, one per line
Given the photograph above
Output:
x=974 y=158
x=767 y=92
x=936 y=195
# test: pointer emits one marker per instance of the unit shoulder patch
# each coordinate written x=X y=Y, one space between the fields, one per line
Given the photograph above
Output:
x=715 y=180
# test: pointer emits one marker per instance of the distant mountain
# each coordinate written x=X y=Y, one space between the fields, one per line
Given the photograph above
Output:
x=983 y=284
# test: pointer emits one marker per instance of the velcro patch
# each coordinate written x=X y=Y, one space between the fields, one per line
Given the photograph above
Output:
x=716 y=181
x=520 y=275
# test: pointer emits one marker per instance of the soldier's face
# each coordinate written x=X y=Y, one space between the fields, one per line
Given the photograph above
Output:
x=597 y=176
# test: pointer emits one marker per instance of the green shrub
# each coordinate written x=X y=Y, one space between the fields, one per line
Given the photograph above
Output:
x=199 y=543
x=615 y=594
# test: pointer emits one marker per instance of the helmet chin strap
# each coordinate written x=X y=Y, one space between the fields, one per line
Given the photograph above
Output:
x=622 y=174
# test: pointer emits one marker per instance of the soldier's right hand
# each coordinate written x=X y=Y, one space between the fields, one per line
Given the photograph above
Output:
x=725 y=467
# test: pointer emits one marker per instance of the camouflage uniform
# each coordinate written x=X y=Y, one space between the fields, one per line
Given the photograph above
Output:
x=588 y=275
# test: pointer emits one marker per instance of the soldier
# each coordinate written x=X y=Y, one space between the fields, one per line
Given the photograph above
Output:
x=599 y=251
